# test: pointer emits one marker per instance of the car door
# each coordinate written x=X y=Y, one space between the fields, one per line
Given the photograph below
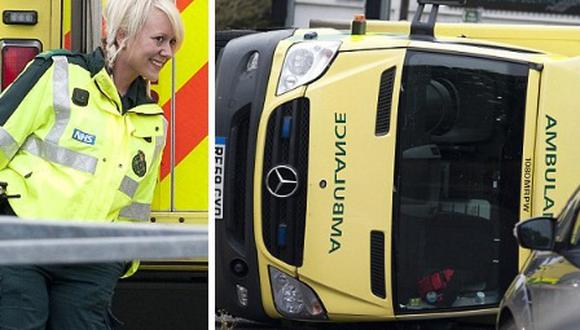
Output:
x=557 y=296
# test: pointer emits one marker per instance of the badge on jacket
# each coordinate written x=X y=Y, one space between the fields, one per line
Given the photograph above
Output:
x=139 y=164
x=80 y=97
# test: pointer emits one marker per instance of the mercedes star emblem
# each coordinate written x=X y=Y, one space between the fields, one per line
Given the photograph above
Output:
x=282 y=181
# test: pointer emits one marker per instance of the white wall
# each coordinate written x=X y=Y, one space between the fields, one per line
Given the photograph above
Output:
x=301 y=11
x=447 y=14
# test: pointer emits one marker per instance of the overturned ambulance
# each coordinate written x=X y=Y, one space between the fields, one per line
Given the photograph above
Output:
x=377 y=173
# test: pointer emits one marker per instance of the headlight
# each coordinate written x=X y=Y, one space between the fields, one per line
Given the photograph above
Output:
x=304 y=62
x=293 y=298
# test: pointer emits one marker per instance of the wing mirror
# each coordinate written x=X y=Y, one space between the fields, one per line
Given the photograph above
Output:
x=536 y=233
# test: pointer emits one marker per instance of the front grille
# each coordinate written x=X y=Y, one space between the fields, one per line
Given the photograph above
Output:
x=238 y=160
x=378 y=264
x=286 y=154
x=384 y=103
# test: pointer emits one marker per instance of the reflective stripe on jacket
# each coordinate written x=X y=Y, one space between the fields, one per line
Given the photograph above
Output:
x=67 y=148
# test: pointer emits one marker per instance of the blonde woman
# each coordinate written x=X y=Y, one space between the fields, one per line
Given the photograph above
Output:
x=81 y=139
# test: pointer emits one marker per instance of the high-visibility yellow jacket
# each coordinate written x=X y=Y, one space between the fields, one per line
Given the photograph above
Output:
x=68 y=147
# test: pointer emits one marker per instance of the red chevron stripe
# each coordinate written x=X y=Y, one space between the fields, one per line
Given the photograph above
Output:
x=67 y=41
x=182 y=4
x=191 y=106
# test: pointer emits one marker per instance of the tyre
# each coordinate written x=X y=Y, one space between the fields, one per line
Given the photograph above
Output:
x=508 y=324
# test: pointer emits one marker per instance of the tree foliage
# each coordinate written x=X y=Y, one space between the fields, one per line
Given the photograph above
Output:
x=242 y=14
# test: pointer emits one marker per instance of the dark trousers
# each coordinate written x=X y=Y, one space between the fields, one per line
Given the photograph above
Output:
x=67 y=297
x=57 y=297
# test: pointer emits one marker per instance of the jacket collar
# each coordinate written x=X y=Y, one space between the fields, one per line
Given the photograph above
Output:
x=136 y=95
x=107 y=87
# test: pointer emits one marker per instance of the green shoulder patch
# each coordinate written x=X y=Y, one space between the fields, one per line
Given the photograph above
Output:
x=54 y=52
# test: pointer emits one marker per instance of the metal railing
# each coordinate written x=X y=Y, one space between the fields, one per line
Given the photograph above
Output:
x=49 y=242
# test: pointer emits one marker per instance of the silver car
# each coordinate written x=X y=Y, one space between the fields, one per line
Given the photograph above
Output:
x=546 y=293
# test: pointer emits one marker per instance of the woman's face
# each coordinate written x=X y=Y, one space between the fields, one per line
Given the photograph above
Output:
x=151 y=48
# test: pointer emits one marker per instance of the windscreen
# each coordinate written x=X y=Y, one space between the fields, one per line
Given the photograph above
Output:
x=457 y=180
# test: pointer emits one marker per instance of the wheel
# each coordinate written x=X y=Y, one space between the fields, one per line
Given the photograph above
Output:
x=508 y=324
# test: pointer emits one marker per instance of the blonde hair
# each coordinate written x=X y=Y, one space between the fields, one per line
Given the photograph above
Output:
x=129 y=16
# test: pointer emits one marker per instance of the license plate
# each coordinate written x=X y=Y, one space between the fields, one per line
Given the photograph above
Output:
x=220 y=157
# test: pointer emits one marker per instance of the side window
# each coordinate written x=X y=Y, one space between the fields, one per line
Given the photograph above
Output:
x=458 y=166
x=460 y=134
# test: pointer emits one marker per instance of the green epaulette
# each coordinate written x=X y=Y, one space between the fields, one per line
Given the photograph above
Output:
x=54 y=52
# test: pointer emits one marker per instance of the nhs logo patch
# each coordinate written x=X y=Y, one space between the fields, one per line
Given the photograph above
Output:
x=83 y=137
